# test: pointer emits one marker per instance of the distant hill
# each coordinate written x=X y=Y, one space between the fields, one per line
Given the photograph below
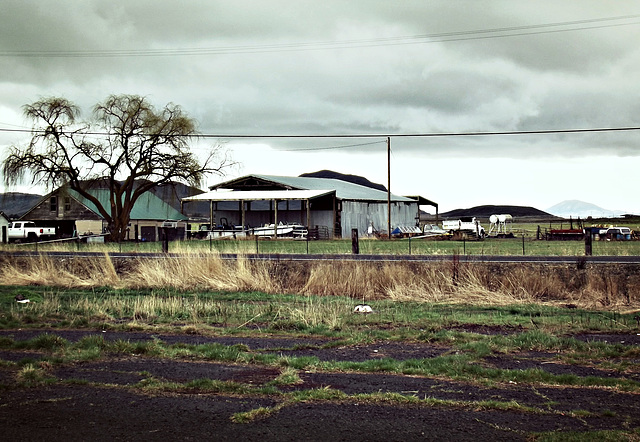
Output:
x=487 y=211
x=581 y=209
x=16 y=204
x=355 y=179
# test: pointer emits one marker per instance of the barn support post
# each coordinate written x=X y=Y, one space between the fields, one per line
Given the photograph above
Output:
x=275 y=219
x=243 y=215
x=211 y=215
x=332 y=233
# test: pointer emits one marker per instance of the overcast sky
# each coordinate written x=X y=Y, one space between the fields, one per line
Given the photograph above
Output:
x=362 y=68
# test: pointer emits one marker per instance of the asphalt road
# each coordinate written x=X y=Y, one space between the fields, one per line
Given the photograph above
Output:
x=345 y=257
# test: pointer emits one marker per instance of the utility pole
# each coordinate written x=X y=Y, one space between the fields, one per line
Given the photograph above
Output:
x=389 y=186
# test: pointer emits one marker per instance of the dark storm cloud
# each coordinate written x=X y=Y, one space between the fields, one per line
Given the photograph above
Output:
x=278 y=67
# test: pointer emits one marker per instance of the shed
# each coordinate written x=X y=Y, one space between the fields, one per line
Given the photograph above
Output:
x=73 y=214
x=339 y=206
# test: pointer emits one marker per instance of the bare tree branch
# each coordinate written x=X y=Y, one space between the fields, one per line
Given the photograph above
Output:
x=141 y=148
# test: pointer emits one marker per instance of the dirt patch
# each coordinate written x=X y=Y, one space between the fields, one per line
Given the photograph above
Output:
x=399 y=351
x=620 y=338
x=102 y=400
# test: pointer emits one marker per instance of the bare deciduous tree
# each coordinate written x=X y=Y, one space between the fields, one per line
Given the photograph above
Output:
x=128 y=147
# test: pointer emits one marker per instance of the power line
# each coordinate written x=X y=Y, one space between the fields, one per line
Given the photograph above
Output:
x=429 y=134
x=344 y=146
x=477 y=34
x=376 y=135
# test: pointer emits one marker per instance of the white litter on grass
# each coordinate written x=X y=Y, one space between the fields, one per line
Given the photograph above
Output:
x=20 y=298
x=363 y=308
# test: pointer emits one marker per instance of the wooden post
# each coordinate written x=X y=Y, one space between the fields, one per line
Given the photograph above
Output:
x=355 y=246
x=165 y=239
x=588 y=250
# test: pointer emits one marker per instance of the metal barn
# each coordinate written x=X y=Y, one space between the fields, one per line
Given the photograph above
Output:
x=335 y=205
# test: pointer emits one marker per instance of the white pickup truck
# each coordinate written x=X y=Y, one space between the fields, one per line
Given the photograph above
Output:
x=28 y=231
x=465 y=223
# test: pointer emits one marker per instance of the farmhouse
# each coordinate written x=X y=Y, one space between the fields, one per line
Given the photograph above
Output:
x=73 y=214
x=4 y=227
x=331 y=205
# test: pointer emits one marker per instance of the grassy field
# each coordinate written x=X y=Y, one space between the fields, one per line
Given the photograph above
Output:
x=490 y=246
x=158 y=309
x=524 y=243
x=472 y=316
x=446 y=281
x=472 y=313
x=465 y=339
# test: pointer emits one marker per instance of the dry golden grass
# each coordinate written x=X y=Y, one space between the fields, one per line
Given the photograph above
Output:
x=201 y=272
x=62 y=273
x=443 y=282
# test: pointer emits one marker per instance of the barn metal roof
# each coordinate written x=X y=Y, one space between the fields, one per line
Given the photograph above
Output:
x=147 y=207
x=344 y=190
x=257 y=195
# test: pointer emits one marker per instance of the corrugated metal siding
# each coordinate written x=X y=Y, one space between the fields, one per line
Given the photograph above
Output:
x=360 y=215
x=322 y=218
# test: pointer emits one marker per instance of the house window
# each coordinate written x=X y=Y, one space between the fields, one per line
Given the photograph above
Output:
x=53 y=204
x=67 y=203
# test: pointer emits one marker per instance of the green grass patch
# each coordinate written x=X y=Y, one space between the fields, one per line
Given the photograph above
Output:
x=588 y=436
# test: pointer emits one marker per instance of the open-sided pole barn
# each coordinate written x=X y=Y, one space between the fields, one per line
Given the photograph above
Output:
x=335 y=205
x=261 y=207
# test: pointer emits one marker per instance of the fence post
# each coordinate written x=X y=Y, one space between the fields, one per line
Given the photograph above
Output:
x=588 y=244
x=355 y=246
x=165 y=240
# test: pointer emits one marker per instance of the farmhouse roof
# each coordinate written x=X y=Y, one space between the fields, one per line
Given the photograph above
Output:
x=344 y=190
x=147 y=207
